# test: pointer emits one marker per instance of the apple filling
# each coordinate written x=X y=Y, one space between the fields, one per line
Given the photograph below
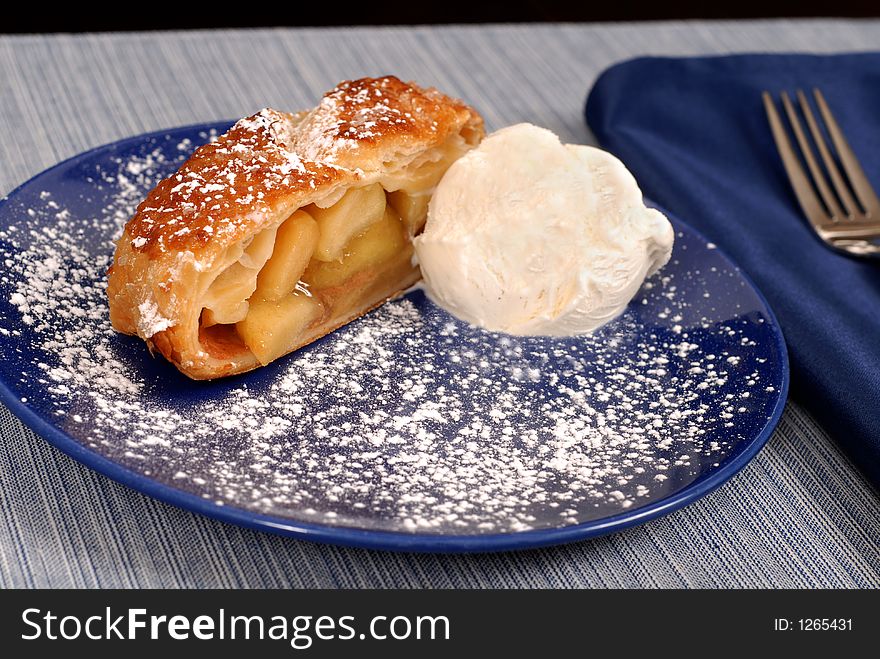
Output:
x=319 y=269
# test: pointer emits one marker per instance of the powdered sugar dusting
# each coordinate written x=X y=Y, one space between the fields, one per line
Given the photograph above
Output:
x=150 y=321
x=406 y=419
x=256 y=167
x=245 y=171
x=365 y=111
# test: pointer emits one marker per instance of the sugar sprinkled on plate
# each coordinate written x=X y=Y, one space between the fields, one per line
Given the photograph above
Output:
x=404 y=420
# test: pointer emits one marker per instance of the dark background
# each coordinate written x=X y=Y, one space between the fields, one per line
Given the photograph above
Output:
x=90 y=17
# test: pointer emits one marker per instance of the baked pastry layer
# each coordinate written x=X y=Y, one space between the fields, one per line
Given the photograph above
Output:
x=287 y=226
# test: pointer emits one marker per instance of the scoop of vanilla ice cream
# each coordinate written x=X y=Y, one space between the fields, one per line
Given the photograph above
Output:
x=527 y=235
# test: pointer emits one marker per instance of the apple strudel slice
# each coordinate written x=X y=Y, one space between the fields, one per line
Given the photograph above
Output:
x=286 y=227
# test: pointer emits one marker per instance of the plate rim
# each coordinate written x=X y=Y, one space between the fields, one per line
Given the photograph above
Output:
x=383 y=539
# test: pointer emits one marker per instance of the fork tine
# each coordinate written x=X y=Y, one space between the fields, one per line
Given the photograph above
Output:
x=807 y=152
x=864 y=191
x=806 y=197
x=843 y=194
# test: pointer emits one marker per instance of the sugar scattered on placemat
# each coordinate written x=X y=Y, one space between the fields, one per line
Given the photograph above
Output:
x=427 y=423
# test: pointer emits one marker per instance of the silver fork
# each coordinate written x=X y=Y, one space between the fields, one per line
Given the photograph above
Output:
x=847 y=219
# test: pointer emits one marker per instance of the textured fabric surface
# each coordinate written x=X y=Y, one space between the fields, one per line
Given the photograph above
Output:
x=798 y=515
x=697 y=139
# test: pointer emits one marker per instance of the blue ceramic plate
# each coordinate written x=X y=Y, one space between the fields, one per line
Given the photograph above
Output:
x=405 y=430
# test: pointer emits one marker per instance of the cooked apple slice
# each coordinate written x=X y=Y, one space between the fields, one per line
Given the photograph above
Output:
x=413 y=209
x=225 y=315
x=347 y=218
x=428 y=175
x=377 y=244
x=294 y=244
x=273 y=327
x=225 y=301
x=226 y=298
x=422 y=178
x=373 y=282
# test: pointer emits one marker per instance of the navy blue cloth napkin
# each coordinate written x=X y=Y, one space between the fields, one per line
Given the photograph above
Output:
x=694 y=133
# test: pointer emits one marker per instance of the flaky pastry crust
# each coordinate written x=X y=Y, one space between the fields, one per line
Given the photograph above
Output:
x=252 y=178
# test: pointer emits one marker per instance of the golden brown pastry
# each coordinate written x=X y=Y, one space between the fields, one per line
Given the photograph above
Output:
x=287 y=227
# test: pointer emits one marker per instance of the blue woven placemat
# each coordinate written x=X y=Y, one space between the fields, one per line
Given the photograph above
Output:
x=798 y=515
